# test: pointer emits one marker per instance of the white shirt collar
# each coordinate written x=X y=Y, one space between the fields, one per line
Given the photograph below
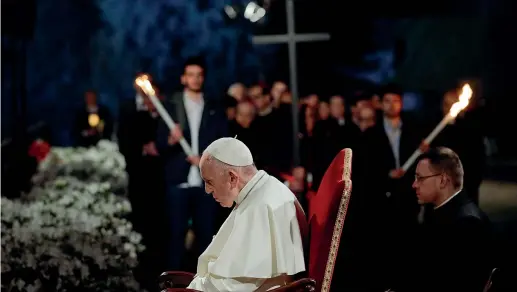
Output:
x=249 y=186
x=188 y=97
x=446 y=201
x=389 y=126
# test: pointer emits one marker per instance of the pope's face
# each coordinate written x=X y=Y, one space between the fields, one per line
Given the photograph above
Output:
x=220 y=182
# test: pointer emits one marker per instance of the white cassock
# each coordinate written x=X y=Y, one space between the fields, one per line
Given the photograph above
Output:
x=258 y=245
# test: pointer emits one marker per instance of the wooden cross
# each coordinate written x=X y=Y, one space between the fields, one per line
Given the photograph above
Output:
x=292 y=38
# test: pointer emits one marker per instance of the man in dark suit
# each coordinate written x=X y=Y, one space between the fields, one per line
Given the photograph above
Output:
x=456 y=238
x=393 y=207
x=331 y=136
x=201 y=121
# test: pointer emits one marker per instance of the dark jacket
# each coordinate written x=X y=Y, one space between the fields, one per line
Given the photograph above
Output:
x=454 y=249
x=394 y=198
x=213 y=126
x=135 y=129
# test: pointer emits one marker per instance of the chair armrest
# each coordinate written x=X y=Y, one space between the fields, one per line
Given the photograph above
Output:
x=302 y=285
x=175 y=279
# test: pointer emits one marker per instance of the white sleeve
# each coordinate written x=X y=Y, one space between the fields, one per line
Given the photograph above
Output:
x=213 y=283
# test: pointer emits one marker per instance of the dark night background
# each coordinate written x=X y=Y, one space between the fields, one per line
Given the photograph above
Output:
x=55 y=50
x=428 y=47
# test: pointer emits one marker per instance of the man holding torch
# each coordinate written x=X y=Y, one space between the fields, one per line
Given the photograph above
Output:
x=198 y=122
x=393 y=207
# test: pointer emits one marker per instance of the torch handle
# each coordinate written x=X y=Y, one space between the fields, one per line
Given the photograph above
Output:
x=443 y=123
x=186 y=147
x=411 y=159
x=170 y=123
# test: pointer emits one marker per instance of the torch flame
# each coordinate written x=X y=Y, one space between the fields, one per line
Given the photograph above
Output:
x=144 y=83
x=464 y=98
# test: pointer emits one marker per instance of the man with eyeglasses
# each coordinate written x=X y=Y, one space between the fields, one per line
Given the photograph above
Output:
x=455 y=238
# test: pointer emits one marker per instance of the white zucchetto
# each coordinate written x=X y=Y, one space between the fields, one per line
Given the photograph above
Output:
x=230 y=151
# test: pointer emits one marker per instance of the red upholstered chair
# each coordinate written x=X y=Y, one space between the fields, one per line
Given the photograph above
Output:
x=327 y=211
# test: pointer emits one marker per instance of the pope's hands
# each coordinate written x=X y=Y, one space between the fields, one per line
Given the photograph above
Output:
x=175 y=135
x=397 y=173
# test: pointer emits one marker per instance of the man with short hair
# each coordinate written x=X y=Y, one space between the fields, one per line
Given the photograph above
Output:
x=259 y=245
x=455 y=238
x=271 y=125
x=201 y=121
x=241 y=126
x=444 y=164
x=391 y=204
x=331 y=136
x=277 y=90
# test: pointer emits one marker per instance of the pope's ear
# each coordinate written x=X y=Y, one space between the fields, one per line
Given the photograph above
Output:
x=233 y=176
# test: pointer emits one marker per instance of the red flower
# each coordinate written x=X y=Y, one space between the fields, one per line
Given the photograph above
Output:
x=39 y=149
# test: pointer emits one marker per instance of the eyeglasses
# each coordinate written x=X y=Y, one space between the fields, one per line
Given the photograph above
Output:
x=420 y=179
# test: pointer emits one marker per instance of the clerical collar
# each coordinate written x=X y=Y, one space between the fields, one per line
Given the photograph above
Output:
x=446 y=201
x=249 y=186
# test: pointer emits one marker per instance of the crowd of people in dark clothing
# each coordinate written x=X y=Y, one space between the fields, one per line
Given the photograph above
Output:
x=168 y=195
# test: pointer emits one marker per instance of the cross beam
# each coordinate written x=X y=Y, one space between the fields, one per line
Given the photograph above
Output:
x=286 y=38
x=291 y=39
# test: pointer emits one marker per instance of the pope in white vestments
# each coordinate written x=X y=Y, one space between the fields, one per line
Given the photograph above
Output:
x=259 y=245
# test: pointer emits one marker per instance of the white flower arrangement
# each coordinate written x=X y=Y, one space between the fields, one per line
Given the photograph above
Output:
x=102 y=163
x=69 y=232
